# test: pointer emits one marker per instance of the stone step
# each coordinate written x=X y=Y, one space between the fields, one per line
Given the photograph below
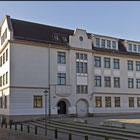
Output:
x=103 y=131
x=92 y=130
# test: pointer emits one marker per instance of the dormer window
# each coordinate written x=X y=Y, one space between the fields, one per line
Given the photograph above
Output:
x=64 y=38
x=103 y=43
x=108 y=44
x=130 y=47
x=97 y=42
x=56 y=38
x=134 y=48
x=138 y=48
x=114 y=45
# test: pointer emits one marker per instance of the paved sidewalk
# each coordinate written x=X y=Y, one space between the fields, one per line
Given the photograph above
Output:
x=7 y=134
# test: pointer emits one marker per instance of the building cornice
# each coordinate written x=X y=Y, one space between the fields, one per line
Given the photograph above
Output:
x=23 y=87
x=38 y=44
x=117 y=54
x=56 y=46
x=68 y=47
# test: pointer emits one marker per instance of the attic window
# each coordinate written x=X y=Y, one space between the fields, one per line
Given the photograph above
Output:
x=56 y=38
x=64 y=38
x=81 y=38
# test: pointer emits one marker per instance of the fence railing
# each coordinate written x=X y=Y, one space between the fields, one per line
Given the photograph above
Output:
x=38 y=130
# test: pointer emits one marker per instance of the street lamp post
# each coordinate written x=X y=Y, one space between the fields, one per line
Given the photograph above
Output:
x=46 y=93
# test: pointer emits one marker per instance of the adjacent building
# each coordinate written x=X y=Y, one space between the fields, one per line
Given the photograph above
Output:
x=85 y=74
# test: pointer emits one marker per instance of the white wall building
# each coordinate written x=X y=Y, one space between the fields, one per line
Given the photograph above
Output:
x=86 y=74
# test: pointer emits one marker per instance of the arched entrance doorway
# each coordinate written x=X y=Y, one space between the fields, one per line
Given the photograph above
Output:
x=62 y=107
x=82 y=108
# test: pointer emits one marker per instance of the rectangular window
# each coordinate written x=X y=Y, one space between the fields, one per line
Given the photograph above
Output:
x=61 y=58
x=108 y=44
x=64 y=38
x=107 y=82
x=97 y=61
x=137 y=65
x=78 y=88
x=85 y=67
x=1 y=102
x=77 y=67
x=117 y=101
x=98 y=81
x=116 y=82
x=107 y=62
x=137 y=83
x=5 y=34
x=0 y=61
x=77 y=55
x=81 y=67
x=138 y=48
x=6 y=77
x=114 y=45
x=130 y=47
x=3 y=58
x=82 y=89
x=85 y=56
x=116 y=63
x=130 y=82
x=61 y=79
x=81 y=56
x=98 y=101
x=1 y=81
x=134 y=48
x=5 y=101
x=97 y=42
x=131 y=101
x=130 y=64
x=37 y=101
x=103 y=43
x=107 y=101
x=56 y=38
x=1 y=40
x=138 y=101
x=7 y=55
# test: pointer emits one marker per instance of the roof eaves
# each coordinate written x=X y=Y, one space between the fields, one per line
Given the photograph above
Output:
x=41 y=41
x=116 y=51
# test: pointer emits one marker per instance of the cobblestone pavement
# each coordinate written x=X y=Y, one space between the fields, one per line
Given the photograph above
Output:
x=6 y=134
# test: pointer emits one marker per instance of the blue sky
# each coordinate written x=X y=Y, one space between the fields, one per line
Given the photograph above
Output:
x=117 y=19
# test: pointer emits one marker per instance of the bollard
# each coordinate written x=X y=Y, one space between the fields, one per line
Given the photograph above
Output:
x=6 y=125
x=15 y=126
x=86 y=137
x=56 y=134
x=70 y=137
x=28 y=129
x=21 y=127
x=106 y=138
x=2 y=125
x=10 y=126
x=35 y=130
